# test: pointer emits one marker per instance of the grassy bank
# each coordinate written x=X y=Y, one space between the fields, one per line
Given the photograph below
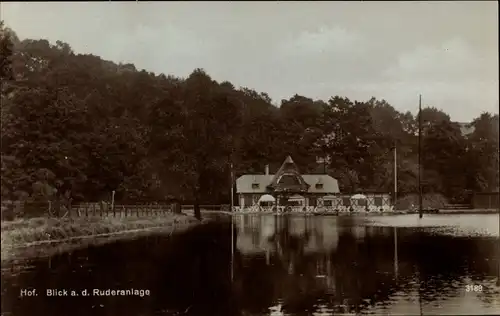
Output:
x=25 y=238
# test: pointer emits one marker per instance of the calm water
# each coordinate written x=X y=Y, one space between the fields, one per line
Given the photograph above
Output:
x=374 y=265
x=283 y=265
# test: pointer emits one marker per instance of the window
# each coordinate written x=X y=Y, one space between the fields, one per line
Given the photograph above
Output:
x=255 y=185
x=378 y=201
x=346 y=201
x=247 y=200
x=313 y=201
x=319 y=185
x=289 y=180
x=328 y=203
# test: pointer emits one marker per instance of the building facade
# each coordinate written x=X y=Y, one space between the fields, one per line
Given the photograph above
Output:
x=288 y=187
x=486 y=200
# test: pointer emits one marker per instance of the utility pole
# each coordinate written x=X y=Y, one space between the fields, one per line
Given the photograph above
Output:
x=232 y=187
x=395 y=175
x=420 y=211
x=232 y=223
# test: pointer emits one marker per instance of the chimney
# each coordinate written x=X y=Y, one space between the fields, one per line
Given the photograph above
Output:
x=267 y=170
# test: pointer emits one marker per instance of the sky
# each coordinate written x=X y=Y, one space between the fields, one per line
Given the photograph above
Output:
x=446 y=51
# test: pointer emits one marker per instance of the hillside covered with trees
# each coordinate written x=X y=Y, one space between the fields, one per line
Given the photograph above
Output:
x=78 y=127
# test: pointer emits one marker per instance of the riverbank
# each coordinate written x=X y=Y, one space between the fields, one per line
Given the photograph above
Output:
x=28 y=238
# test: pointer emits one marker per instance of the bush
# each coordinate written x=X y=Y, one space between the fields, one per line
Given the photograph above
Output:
x=429 y=201
x=7 y=213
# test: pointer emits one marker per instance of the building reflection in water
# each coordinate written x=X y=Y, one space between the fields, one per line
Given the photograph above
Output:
x=271 y=233
x=287 y=243
x=312 y=262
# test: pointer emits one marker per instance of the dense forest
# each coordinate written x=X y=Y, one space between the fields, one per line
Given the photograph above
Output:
x=75 y=126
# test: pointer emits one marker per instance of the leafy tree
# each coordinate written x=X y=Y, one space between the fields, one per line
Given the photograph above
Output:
x=6 y=53
x=204 y=117
x=77 y=127
x=443 y=154
x=483 y=152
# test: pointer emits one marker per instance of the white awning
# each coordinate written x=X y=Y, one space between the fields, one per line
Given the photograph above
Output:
x=296 y=197
x=267 y=198
x=358 y=197
x=330 y=198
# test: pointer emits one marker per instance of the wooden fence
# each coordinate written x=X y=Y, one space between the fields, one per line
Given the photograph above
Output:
x=457 y=207
x=14 y=210
x=208 y=208
x=105 y=210
x=98 y=209
x=486 y=200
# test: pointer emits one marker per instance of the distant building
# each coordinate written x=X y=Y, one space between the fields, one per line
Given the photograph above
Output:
x=466 y=128
x=486 y=200
x=287 y=185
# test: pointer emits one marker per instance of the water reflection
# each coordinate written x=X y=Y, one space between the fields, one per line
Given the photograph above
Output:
x=283 y=265
x=304 y=264
x=188 y=274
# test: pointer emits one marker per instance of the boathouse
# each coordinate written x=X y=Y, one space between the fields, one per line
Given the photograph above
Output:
x=287 y=187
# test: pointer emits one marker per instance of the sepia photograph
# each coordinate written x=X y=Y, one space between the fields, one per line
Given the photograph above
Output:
x=223 y=158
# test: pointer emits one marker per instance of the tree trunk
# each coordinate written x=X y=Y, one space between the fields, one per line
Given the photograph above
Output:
x=196 y=206
x=176 y=206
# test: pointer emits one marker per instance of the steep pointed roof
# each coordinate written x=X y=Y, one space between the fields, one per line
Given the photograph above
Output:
x=288 y=178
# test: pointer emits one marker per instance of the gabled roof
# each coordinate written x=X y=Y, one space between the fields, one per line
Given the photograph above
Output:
x=268 y=183
x=288 y=168
x=257 y=183
x=330 y=185
x=253 y=183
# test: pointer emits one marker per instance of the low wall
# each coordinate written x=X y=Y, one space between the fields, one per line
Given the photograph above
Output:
x=314 y=209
